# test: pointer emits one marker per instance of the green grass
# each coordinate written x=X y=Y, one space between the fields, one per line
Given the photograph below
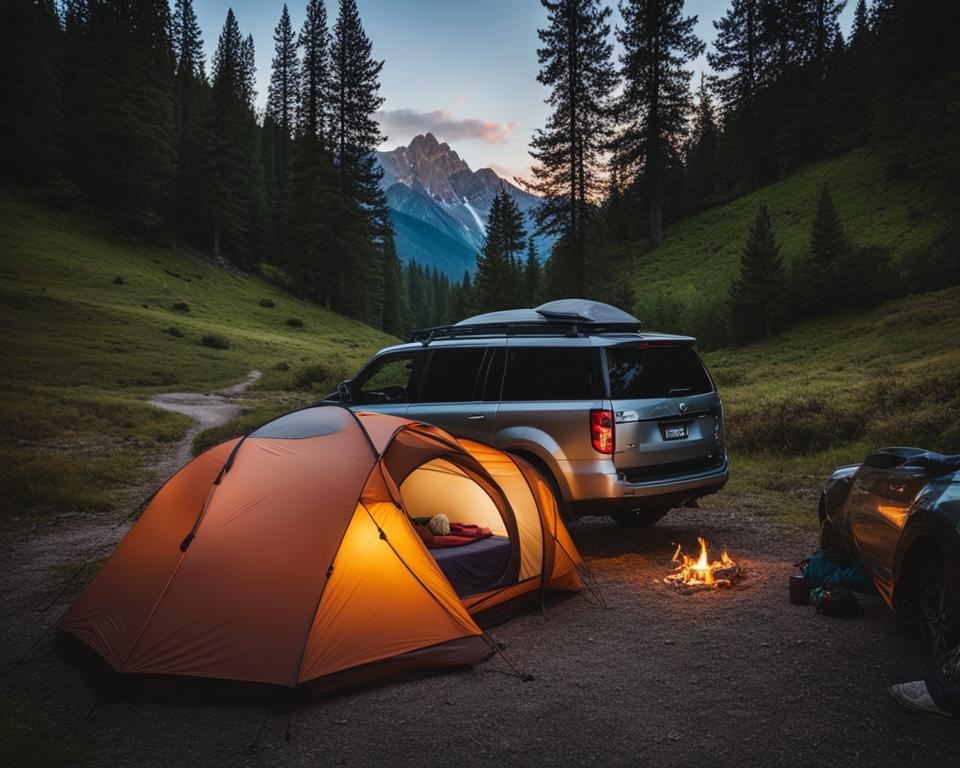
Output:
x=681 y=285
x=828 y=391
x=83 y=349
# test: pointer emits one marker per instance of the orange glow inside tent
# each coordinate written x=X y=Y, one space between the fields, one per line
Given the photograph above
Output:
x=291 y=557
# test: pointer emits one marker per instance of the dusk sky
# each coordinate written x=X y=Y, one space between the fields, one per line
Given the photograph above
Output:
x=465 y=71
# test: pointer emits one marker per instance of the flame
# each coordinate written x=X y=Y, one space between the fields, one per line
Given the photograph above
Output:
x=700 y=571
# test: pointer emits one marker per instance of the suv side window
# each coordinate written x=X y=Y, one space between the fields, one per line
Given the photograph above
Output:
x=550 y=373
x=388 y=380
x=452 y=375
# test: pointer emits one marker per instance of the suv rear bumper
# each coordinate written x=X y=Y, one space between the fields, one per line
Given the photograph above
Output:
x=597 y=488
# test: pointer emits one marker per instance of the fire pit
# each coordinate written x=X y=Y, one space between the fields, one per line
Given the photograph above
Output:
x=696 y=574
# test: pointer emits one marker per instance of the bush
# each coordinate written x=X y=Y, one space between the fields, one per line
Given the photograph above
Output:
x=793 y=425
x=321 y=376
x=175 y=332
x=282 y=366
x=181 y=306
x=295 y=322
x=267 y=303
x=118 y=280
x=215 y=341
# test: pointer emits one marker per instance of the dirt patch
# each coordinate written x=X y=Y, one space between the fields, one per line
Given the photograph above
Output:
x=731 y=677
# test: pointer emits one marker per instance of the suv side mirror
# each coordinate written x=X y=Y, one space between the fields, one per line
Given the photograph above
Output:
x=343 y=391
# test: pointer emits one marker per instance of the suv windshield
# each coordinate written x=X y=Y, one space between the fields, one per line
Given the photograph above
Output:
x=638 y=372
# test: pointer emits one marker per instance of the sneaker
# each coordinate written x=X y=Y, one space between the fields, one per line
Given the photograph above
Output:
x=915 y=695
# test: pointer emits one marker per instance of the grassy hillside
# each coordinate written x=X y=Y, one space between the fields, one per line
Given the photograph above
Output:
x=828 y=391
x=682 y=284
x=92 y=325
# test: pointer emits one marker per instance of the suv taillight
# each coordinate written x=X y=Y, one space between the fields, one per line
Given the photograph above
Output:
x=601 y=430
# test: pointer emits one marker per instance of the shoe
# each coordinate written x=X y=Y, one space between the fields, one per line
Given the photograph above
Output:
x=915 y=695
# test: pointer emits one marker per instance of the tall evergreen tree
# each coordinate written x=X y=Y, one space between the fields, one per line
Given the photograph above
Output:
x=31 y=121
x=278 y=127
x=122 y=126
x=191 y=123
x=313 y=201
x=820 y=278
x=187 y=42
x=658 y=43
x=532 y=274
x=575 y=63
x=282 y=92
x=701 y=151
x=738 y=54
x=248 y=72
x=758 y=297
x=314 y=41
x=234 y=205
x=497 y=268
x=363 y=227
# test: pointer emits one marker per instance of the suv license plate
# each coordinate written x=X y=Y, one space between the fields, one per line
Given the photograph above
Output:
x=674 y=431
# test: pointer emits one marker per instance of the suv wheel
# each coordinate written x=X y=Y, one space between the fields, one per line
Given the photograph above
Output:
x=639 y=518
x=563 y=509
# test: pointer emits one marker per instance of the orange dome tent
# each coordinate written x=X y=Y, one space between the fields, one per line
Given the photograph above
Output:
x=290 y=557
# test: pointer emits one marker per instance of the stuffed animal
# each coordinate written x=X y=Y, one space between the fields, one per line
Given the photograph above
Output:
x=439 y=525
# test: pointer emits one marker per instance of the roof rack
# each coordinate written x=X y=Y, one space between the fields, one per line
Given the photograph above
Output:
x=565 y=317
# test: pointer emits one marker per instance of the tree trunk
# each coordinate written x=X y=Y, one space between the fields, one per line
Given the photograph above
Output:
x=656 y=219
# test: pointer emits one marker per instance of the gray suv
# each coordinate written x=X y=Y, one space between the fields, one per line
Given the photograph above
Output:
x=618 y=421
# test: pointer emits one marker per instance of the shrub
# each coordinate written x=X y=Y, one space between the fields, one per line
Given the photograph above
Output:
x=175 y=332
x=118 y=280
x=282 y=366
x=181 y=306
x=295 y=322
x=215 y=341
x=792 y=426
x=321 y=376
x=268 y=303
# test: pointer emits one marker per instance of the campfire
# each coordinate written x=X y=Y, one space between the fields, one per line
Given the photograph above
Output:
x=694 y=574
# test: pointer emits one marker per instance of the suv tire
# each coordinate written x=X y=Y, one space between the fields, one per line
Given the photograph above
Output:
x=639 y=518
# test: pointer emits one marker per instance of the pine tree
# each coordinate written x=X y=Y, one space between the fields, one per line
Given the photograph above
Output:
x=248 y=72
x=234 y=201
x=31 y=121
x=658 y=42
x=313 y=199
x=701 y=152
x=575 y=63
x=738 y=55
x=492 y=290
x=820 y=279
x=192 y=144
x=362 y=227
x=122 y=143
x=187 y=43
x=278 y=127
x=314 y=41
x=532 y=273
x=282 y=92
x=758 y=296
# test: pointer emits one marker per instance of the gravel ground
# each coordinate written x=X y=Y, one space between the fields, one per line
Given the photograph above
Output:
x=729 y=677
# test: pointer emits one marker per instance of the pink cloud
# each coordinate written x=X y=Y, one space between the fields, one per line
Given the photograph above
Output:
x=443 y=124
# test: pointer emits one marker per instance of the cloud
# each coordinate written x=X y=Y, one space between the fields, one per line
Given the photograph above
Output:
x=445 y=125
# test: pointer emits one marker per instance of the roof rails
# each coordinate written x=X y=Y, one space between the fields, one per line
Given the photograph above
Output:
x=566 y=317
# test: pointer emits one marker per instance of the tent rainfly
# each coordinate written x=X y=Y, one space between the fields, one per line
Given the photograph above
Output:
x=291 y=557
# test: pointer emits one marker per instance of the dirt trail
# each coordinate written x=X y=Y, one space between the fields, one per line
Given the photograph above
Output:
x=206 y=410
x=36 y=566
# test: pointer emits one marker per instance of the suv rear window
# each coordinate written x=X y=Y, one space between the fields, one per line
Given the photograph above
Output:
x=550 y=373
x=637 y=372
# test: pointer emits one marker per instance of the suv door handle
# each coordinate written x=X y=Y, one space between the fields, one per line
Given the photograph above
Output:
x=475 y=417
